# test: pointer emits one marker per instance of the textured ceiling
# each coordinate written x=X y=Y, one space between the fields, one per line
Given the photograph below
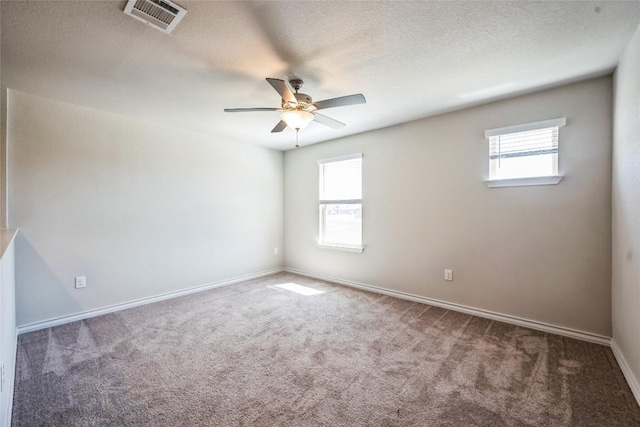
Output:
x=410 y=59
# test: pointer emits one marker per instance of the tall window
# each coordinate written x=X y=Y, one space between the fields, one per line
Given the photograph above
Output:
x=524 y=151
x=340 y=202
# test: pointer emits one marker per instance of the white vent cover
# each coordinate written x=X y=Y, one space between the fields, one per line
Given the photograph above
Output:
x=163 y=15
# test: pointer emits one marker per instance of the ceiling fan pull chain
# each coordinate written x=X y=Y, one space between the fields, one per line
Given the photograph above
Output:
x=297 y=134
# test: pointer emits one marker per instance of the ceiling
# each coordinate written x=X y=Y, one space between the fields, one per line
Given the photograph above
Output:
x=410 y=59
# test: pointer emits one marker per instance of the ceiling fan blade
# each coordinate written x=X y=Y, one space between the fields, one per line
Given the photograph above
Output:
x=328 y=121
x=243 y=110
x=279 y=127
x=283 y=89
x=341 y=101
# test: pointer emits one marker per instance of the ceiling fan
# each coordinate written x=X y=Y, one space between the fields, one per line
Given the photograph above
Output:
x=298 y=109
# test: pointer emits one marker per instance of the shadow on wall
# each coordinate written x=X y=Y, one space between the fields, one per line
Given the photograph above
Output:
x=37 y=285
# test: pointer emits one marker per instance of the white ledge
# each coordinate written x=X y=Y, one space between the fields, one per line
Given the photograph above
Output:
x=521 y=182
x=353 y=249
x=560 y=121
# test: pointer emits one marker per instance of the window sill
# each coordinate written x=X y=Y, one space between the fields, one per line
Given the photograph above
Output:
x=522 y=182
x=353 y=249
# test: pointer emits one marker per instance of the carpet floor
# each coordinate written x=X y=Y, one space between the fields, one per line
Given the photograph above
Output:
x=287 y=350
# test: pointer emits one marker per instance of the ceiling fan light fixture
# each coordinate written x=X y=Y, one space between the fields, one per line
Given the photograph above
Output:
x=296 y=119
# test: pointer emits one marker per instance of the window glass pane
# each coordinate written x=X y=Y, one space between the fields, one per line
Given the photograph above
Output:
x=522 y=167
x=341 y=180
x=342 y=224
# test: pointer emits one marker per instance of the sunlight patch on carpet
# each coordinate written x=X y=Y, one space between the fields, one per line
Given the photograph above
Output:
x=299 y=289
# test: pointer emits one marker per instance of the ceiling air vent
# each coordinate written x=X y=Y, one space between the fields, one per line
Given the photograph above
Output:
x=163 y=15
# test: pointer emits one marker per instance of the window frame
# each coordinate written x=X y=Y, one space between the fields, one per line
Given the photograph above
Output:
x=323 y=203
x=526 y=180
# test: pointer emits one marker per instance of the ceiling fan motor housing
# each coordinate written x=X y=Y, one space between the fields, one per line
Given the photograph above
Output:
x=303 y=102
x=303 y=97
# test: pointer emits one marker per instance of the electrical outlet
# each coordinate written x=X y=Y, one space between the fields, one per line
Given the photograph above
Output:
x=81 y=282
x=275 y=251
x=448 y=275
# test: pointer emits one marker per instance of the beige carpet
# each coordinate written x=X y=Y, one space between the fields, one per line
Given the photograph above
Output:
x=259 y=354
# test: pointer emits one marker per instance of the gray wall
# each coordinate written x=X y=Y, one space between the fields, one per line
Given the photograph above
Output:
x=541 y=253
x=626 y=207
x=139 y=209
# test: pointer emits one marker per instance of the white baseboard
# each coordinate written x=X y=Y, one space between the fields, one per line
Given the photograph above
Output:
x=135 y=303
x=634 y=385
x=506 y=318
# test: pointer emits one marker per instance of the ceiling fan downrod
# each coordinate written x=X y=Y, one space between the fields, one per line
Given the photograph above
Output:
x=296 y=84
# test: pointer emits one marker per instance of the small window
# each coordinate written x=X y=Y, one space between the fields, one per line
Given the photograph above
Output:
x=524 y=154
x=340 y=203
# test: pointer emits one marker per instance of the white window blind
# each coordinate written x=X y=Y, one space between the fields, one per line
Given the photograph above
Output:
x=524 y=151
x=520 y=144
x=341 y=181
